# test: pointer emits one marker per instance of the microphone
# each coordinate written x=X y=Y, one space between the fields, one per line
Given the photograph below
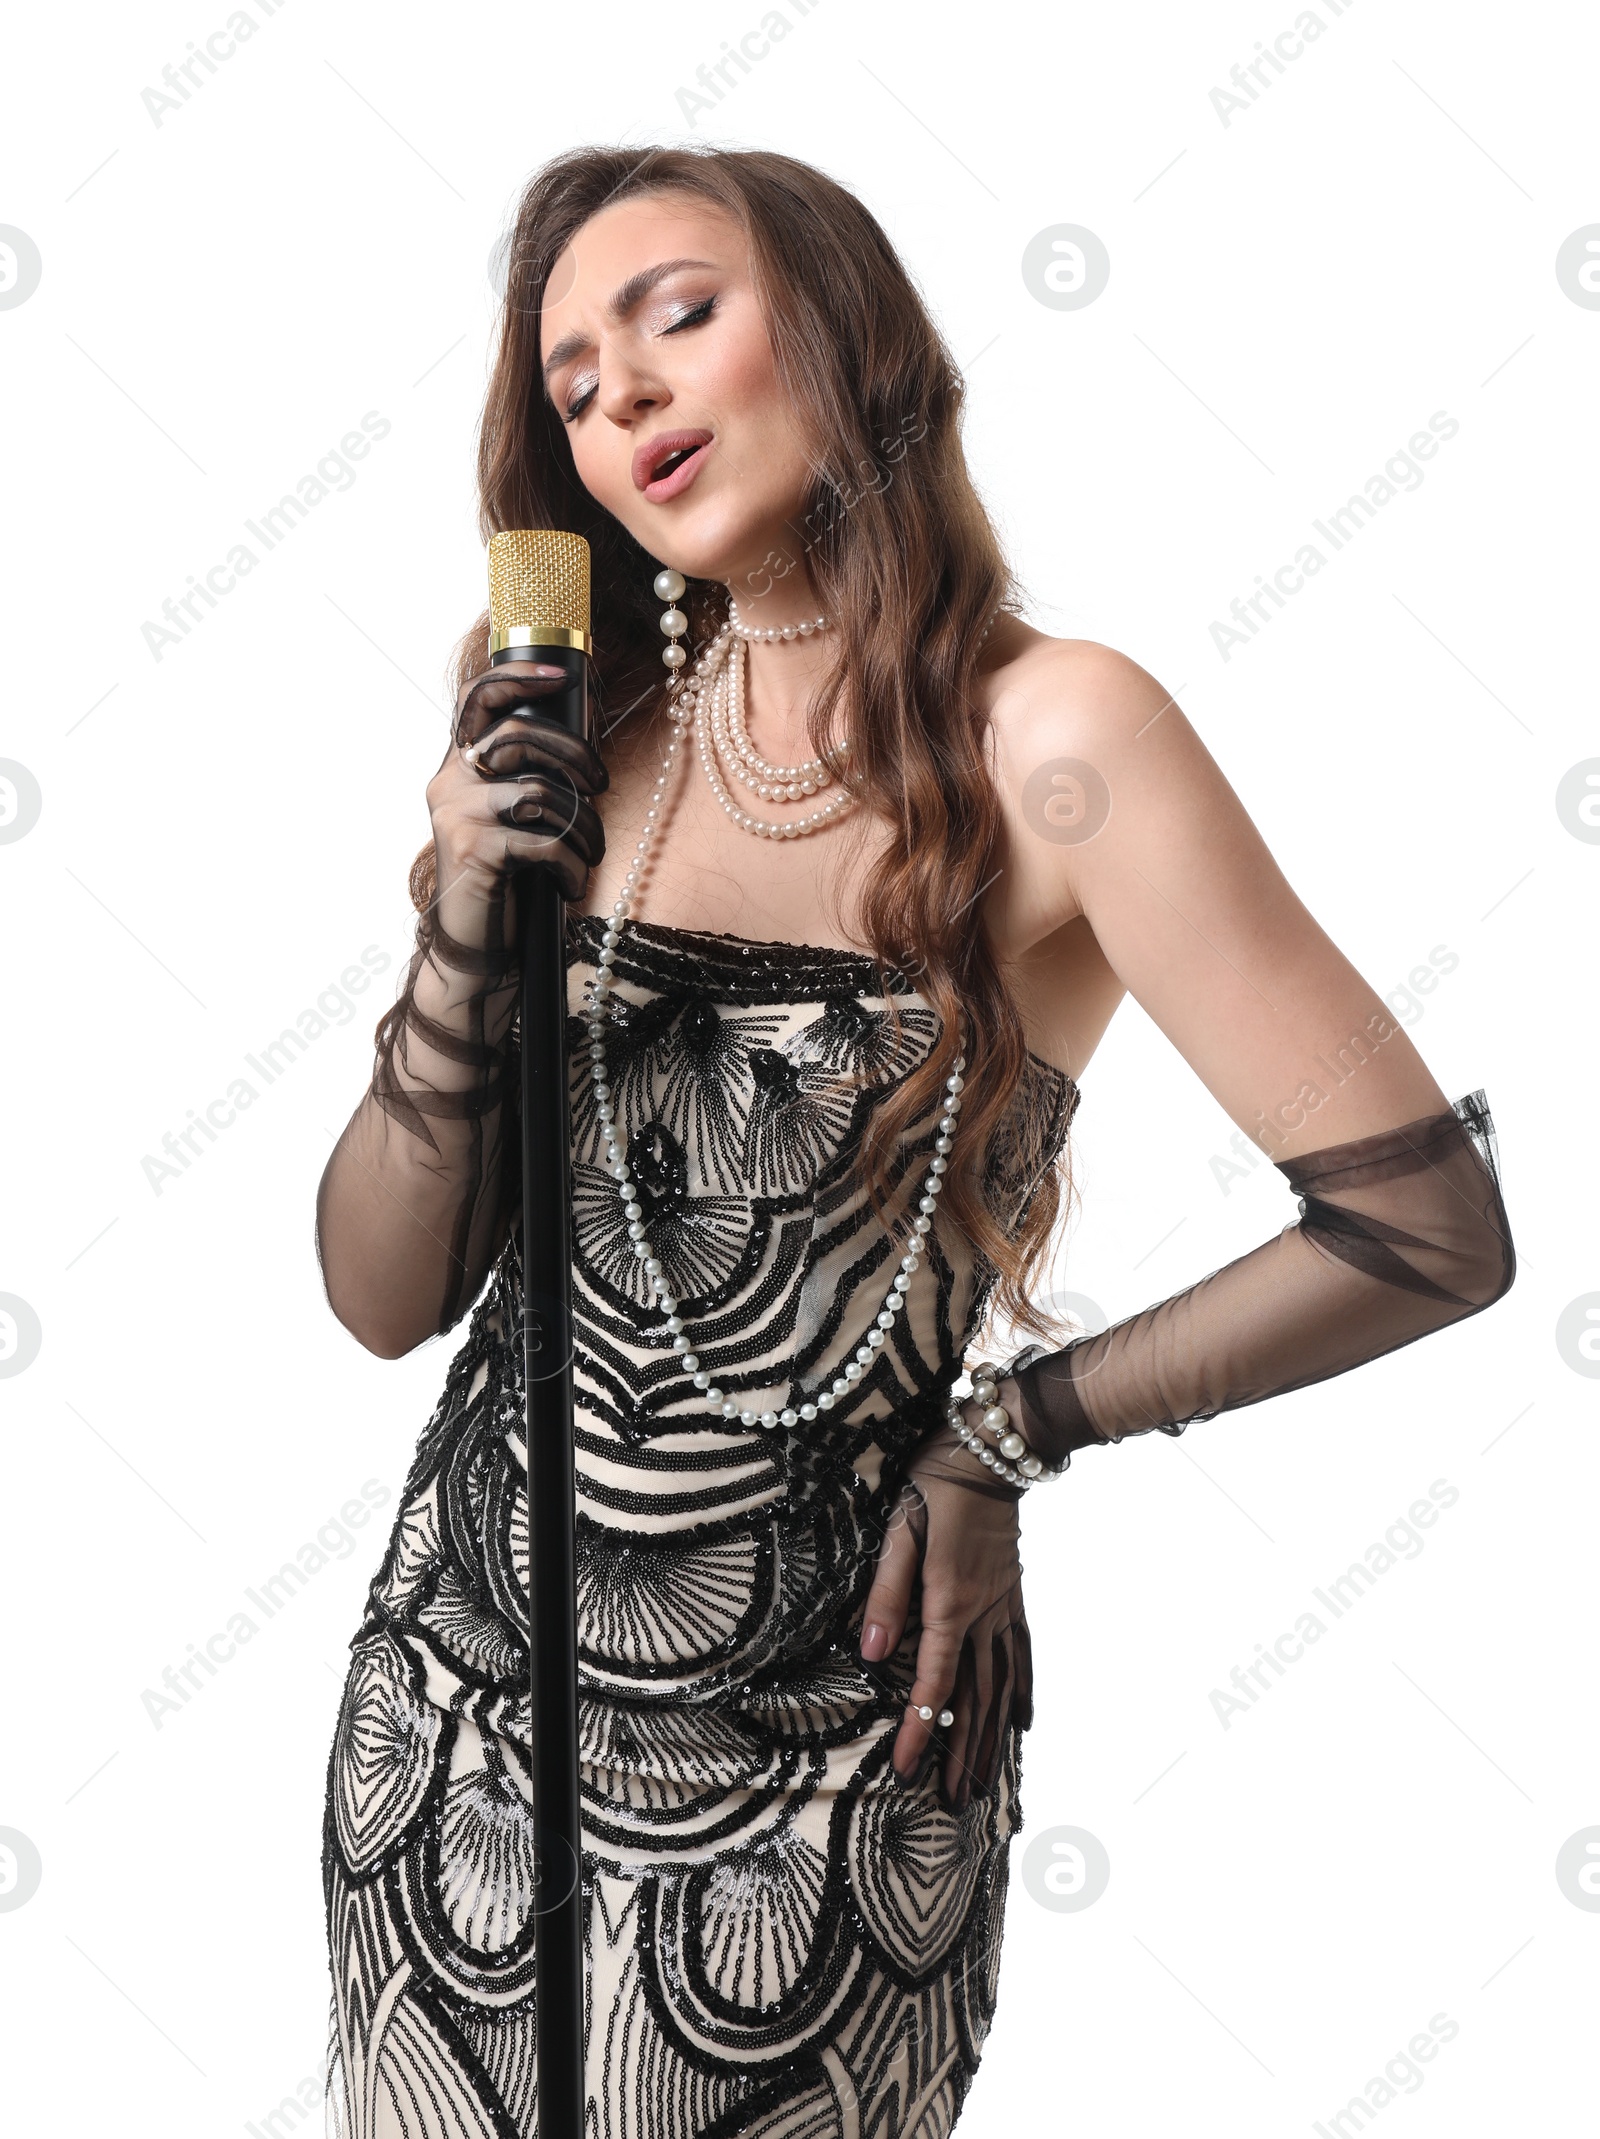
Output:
x=539 y=611
x=538 y=589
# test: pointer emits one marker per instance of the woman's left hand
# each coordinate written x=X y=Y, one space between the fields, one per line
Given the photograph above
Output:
x=957 y=1526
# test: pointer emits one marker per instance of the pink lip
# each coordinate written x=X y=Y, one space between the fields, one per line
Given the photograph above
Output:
x=651 y=455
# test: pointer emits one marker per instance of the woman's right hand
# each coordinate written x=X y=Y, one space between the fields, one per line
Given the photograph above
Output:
x=510 y=791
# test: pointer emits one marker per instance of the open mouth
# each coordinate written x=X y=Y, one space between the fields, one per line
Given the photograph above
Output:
x=669 y=463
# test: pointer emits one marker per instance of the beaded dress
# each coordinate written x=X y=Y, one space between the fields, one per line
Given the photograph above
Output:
x=780 y=1939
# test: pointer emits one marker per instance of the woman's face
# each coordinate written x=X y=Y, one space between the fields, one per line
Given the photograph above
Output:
x=652 y=339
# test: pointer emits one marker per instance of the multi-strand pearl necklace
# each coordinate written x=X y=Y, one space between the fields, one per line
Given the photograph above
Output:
x=719 y=729
x=736 y=754
x=683 y=710
x=730 y=734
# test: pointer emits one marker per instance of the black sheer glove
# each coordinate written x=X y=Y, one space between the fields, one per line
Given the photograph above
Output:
x=421 y=1189
x=1400 y=1233
x=456 y=1091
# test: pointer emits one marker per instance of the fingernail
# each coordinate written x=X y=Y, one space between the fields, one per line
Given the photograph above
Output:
x=912 y=1780
x=874 y=1643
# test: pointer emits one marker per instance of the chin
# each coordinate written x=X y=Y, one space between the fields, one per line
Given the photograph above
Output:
x=702 y=546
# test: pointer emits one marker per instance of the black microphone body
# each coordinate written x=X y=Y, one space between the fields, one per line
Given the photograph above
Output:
x=552 y=1501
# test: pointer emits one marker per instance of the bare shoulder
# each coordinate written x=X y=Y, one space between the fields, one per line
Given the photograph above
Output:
x=1099 y=776
x=1060 y=697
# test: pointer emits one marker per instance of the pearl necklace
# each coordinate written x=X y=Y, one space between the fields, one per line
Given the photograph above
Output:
x=718 y=685
x=737 y=754
x=683 y=710
x=772 y=633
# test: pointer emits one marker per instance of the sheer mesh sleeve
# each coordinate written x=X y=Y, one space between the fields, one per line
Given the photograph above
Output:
x=416 y=1199
x=1399 y=1234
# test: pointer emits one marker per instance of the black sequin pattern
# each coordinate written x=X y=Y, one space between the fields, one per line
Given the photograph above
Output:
x=779 y=1939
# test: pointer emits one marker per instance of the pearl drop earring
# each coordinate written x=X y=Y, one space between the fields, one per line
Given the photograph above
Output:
x=669 y=585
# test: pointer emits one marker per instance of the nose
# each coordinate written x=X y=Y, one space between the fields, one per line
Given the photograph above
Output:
x=626 y=392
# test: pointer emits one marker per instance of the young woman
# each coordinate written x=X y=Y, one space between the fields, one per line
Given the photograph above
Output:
x=860 y=871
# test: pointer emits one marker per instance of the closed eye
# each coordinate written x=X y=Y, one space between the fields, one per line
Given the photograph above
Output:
x=693 y=316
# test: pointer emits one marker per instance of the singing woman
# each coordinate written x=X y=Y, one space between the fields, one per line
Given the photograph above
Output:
x=860 y=867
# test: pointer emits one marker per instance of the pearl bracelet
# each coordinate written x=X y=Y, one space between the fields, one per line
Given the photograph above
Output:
x=1009 y=1458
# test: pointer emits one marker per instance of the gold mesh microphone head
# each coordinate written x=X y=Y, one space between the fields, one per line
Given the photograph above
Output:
x=538 y=589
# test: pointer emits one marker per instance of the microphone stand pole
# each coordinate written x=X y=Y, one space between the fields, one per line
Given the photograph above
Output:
x=552 y=1502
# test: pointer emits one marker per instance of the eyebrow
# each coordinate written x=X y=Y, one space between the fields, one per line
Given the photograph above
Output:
x=624 y=302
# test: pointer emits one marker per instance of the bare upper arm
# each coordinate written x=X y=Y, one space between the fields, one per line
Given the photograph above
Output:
x=1117 y=814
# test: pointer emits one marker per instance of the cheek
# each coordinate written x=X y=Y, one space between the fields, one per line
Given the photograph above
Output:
x=744 y=396
x=604 y=464
x=741 y=375
x=732 y=378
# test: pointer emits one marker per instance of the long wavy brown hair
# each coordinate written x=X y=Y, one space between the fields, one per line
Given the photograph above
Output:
x=902 y=554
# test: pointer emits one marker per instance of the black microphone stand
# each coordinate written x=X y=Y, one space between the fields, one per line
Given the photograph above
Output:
x=552 y=1501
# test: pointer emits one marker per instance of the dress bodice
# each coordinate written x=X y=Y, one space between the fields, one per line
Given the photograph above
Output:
x=743 y=1075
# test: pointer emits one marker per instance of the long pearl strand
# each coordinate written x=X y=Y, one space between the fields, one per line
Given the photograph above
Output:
x=684 y=709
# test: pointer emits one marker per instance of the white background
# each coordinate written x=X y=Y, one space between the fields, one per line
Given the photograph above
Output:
x=223 y=832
